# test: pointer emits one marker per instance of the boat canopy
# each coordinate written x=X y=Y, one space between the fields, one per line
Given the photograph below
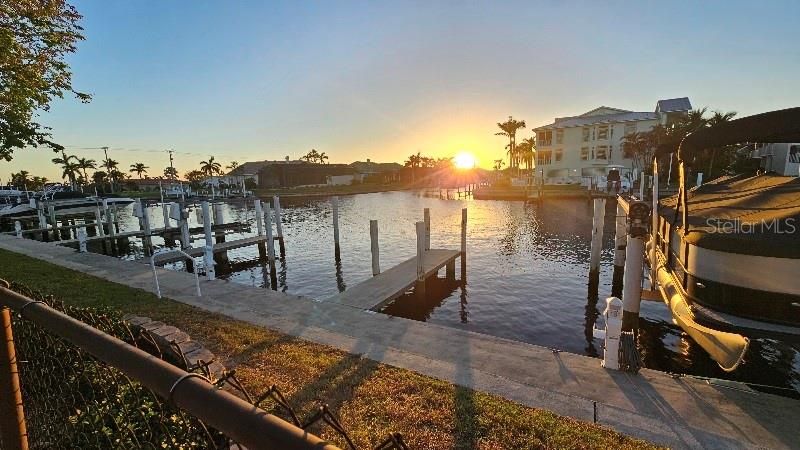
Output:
x=768 y=127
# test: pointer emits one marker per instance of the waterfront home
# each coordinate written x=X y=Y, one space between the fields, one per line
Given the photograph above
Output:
x=575 y=147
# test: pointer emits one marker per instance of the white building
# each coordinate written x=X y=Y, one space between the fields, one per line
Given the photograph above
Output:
x=574 y=148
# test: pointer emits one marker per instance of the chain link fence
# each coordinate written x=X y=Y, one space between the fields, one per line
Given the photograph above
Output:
x=73 y=399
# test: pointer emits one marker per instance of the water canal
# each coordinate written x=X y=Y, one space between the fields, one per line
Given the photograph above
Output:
x=527 y=274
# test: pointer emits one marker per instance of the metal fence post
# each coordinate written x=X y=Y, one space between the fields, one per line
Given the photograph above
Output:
x=13 y=433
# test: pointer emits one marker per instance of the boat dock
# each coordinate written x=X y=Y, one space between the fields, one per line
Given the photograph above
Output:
x=679 y=412
x=381 y=289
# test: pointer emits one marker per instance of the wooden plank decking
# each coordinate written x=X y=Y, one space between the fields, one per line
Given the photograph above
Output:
x=383 y=288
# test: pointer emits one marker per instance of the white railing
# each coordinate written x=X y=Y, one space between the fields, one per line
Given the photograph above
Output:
x=155 y=273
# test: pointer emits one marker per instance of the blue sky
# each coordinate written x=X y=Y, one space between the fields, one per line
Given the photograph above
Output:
x=381 y=80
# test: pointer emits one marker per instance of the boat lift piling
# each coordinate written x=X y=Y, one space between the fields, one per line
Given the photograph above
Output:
x=273 y=276
x=419 y=287
x=262 y=248
x=620 y=241
x=426 y=218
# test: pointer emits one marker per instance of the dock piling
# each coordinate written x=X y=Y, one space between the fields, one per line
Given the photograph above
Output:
x=221 y=257
x=426 y=215
x=273 y=276
x=463 y=245
x=373 y=238
x=18 y=228
x=620 y=241
x=276 y=202
x=654 y=227
x=419 y=288
x=336 y=248
x=598 y=222
x=262 y=249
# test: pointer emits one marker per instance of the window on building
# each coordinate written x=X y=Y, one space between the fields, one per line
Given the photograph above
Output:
x=544 y=137
x=544 y=157
x=585 y=134
x=584 y=153
x=559 y=154
x=630 y=128
x=560 y=136
x=602 y=132
x=601 y=152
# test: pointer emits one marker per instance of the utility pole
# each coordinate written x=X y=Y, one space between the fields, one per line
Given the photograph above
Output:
x=108 y=169
x=171 y=167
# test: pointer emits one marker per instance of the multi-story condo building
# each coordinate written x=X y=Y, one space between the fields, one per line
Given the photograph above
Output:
x=585 y=145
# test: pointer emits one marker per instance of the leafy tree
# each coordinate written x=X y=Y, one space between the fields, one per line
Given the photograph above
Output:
x=444 y=163
x=322 y=158
x=37 y=183
x=210 y=167
x=413 y=162
x=195 y=176
x=139 y=168
x=233 y=165
x=510 y=128
x=35 y=38
x=171 y=173
x=99 y=177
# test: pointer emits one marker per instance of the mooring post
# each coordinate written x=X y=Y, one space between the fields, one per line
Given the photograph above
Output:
x=273 y=275
x=98 y=221
x=463 y=245
x=641 y=185
x=336 y=248
x=426 y=217
x=165 y=211
x=276 y=201
x=147 y=237
x=632 y=284
x=699 y=179
x=81 y=234
x=620 y=239
x=373 y=239
x=13 y=432
x=42 y=221
x=262 y=248
x=208 y=252
x=18 y=228
x=52 y=211
x=598 y=222
x=419 y=290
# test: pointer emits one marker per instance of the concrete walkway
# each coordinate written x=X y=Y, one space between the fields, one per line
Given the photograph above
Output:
x=677 y=412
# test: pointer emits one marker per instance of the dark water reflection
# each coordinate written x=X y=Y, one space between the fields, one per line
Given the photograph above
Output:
x=527 y=273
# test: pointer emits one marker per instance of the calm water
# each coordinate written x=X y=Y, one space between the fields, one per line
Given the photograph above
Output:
x=527 y=274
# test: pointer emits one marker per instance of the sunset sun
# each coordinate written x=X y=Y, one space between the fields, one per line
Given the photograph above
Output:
x=464 y=160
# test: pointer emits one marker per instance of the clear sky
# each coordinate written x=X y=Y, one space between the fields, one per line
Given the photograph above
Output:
x=381 y=80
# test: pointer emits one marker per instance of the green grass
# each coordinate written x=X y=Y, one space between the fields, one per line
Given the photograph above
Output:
x=371 y=399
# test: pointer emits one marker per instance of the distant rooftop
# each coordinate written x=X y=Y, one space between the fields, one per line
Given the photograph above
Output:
x=253 y=167
x=606 y=114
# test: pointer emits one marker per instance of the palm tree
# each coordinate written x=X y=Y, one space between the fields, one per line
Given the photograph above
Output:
x=233 y=165
x=38 y=183
x=322 y=157
x=171 y=173
x=69 y=166
x=510 y=128
x=111 y=168
x=312 y=156
x=20 y=178
x=526 y=152
x=85 y=164
x=716 y=119
x=210 y=167
x=139 y=168
x=99 y=177
x=413 y=162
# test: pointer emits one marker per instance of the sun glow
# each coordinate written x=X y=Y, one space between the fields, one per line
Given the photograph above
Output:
x=464 y=160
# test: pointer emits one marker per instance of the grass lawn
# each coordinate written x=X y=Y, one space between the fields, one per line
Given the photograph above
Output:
x=371 y=399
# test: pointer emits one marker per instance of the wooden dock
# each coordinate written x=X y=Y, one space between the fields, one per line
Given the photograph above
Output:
x=381 y=289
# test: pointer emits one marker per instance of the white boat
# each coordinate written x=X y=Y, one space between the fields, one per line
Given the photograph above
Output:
x=63 y=201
